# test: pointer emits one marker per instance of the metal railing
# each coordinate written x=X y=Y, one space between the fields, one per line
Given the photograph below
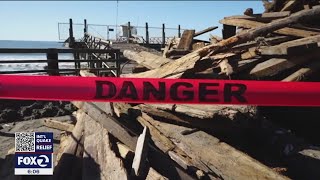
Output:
x=123 y=33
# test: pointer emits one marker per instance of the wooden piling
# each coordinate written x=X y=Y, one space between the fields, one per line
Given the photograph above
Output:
x=53 y=66
x=129 y=32
x=71 y=38
x=147 y=33
x=85 y=30
x=163 y=35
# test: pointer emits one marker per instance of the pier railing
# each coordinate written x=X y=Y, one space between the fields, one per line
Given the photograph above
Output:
x=95 y=61
x=124 y=33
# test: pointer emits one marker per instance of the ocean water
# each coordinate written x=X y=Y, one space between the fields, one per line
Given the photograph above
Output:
x=32 y=56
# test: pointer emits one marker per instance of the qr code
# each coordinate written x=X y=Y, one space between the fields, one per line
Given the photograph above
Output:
x=25 y=142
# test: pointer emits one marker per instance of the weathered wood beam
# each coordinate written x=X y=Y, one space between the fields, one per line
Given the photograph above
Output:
x=186 y=40
x=264 y=17
x=52 y=123
x=304 y=72
x=139 y=166
x=273 y=66
x=70 y=160
x=149 y=60
x=99 y=160
x=282 y=49
x=205 y=31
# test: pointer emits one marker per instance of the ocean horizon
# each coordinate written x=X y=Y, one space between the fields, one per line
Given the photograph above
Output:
x=32 y=56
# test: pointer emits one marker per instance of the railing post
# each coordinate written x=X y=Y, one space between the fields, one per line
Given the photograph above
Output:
x=52 y=58
x=147 y=33
x=118 y=64
x=163 y=36
x=85 y=30
x=129 y=32
x=71 y=38
x=179 y=31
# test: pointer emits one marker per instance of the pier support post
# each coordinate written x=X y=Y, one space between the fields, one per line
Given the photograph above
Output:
x=85 y=30
x=71 y=38
x=179 y=31
x=53 y=66
x=129 y=32
x=147 y=33
x=163 y=36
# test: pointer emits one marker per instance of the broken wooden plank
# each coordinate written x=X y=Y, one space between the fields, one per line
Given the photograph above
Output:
x=273 y=66
x=149 y=60
x=289 y=5
x=70 y=160
x=109 y=122
x=125 y=153
x=262 y=41
x=224 y=160
x=186 y=40
x=179 y=66
x=99 y=160
x=222 y=122
x=191 y=110
x=253 y=24
x=282 y=49
x=161 y=141
x=140 y=158
x=204 y=31
x=198 y=45
x=63 y=126
x=63 y=144
x=304 y=72
x=264 y=17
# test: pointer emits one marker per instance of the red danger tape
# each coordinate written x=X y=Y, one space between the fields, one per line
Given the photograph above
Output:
x=145 y=90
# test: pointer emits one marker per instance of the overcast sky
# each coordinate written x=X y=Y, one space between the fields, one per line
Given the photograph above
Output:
x=38 y=20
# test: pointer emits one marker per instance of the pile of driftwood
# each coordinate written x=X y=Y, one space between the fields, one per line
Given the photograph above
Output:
x=165 y=141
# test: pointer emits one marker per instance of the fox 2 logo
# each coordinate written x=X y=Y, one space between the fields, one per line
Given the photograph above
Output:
x=33 y=160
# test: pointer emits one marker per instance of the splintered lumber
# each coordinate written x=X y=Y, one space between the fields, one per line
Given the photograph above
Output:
x=282 y=49
x=188 y=61
x=161 y=141
x=197 y=45
x=99 y=160
x=139 y=161
x=275 y=65
x=63 y=126
x=221 y=122
x=253 y=24
x=304 y=72
x=70 y=160
x=269 y=41
x=149 y=60
x=205 y=31
x=109 y=122
x=63 y=144
x=197 y=111
x=224 y=160
x=167 y=48
x=289 y=5
x=186 y=40
x=152 y=174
